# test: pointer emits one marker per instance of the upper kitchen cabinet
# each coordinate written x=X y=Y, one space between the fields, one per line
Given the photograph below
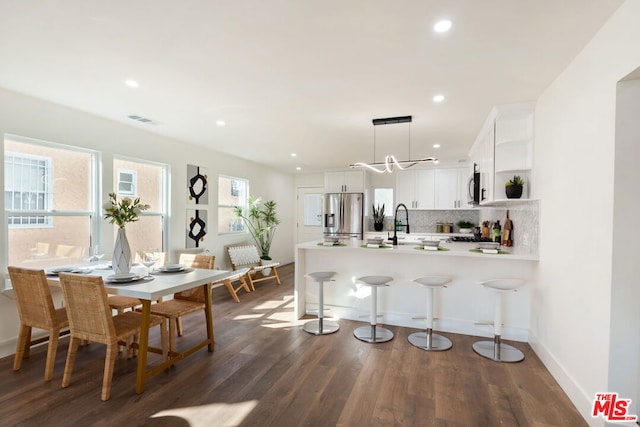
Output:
x=416 y=188
x=345 y=182
x=451 y=188
x=504 y=149
x=442 y=188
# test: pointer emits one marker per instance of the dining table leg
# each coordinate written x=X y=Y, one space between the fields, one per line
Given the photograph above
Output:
x=208 y=313
x=143 y=345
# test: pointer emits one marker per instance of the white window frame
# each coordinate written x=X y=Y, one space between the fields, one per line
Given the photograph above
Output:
x=93 y=212
x=164 y=191
x=47 y=220
x=241 y=225
x=133 y=183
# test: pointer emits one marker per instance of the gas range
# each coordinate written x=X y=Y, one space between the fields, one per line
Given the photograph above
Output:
x=469 y=239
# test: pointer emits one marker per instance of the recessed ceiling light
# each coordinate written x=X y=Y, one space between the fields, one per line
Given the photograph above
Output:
x=298 y=168
x=436 y=145
x=293 y=154
x=131 y=83
x=438 y=98
x=442 y=26
x=220 y=123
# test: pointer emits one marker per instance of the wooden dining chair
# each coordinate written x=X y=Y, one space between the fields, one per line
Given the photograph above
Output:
x=36 y=310
x=121 y=303
x=247 y=256
x=90 y=319
x=185 y=302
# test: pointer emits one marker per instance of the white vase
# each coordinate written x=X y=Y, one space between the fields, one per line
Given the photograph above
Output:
x=121 y=260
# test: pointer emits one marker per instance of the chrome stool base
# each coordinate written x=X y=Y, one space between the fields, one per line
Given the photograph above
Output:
x=497 y=351
x=373 y=334
x=429 y=341
x=320 y=327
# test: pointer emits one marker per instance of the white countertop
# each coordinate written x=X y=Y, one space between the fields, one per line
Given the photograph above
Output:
x=456 y=249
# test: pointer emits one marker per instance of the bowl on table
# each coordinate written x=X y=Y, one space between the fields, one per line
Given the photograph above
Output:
x=375 y=241
x=331 y=239
x=430 y=243
x=488 y=245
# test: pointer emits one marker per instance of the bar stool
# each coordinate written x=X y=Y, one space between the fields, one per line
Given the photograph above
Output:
x=373 y=333
x=428 y=340
x=495 y=350
x=321 y=326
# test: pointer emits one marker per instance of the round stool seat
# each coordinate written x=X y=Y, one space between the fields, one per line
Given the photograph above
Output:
x=496 y=350
x=322 y=276
x=427 y=340
x=433 y=281
x=320 y=326
x=375 y=280
x=374 y=333
x=503 y=284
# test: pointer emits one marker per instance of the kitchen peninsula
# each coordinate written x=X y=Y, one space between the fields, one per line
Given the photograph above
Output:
x=458 y=307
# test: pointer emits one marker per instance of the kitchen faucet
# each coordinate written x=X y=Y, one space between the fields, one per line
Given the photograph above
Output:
x=395 y=221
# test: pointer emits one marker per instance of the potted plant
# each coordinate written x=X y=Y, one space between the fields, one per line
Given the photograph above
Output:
x=513 y=187
x=378 y=217
x=465 y=226
x=261 y=221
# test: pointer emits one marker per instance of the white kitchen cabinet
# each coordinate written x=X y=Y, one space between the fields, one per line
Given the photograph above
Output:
x=513 y=148
x=416 y=188
x=504 y=149
x=451 y=188
x=345 y=182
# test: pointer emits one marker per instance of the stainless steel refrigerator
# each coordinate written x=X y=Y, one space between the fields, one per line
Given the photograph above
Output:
x=343 y=214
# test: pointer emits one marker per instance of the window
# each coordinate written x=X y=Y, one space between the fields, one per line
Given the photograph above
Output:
x=26 y=188
x=232 y=192
x=384 y=196
x=148 y=181
x=127 y=182
x=57 y=179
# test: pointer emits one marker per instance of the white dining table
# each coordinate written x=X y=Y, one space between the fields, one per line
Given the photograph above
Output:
x=161 y=285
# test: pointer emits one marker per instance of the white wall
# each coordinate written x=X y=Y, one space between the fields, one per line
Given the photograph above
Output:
x=34 y=118
x=574 y=178
x=624 y=346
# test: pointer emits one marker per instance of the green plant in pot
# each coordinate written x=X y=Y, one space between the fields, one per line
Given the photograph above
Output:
x=514 y=187
x=465 y=226
x=261 y=221
x=378 y=217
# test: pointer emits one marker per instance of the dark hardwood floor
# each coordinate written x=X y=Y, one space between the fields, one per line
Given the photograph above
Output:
x=265 y=371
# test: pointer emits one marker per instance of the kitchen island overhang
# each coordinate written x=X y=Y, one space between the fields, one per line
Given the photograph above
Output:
x=458 y=307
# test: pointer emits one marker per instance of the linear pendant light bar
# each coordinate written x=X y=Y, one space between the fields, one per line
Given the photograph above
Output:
x=390 y=160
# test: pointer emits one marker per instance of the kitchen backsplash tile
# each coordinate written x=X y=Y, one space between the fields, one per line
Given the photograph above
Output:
x=526 y=219
x=427 y=220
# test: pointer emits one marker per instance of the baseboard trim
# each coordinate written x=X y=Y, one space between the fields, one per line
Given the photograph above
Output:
x=578 y=396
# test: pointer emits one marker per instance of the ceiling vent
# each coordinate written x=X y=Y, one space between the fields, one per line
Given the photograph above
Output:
x=142 y=119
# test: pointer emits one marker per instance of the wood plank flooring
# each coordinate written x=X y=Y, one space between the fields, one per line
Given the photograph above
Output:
x=265 y=371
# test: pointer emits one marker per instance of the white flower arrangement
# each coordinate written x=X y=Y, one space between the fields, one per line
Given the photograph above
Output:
x=123 y=212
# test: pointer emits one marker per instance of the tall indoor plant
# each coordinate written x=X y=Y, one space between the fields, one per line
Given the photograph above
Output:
x=262 y=221
x=121 y=213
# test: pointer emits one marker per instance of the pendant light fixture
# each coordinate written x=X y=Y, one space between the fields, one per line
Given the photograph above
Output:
x=390 y=161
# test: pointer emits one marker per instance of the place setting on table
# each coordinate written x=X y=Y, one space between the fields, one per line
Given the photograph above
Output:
x=376 y=243
x=430 y=245
x=331 y=241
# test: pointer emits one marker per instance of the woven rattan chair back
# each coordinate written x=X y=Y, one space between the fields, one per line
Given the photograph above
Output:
x=87 y=308
x=33 y=296
x=195 y=261
x=36 y=310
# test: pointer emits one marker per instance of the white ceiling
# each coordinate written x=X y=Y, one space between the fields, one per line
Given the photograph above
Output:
x=294 y=76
